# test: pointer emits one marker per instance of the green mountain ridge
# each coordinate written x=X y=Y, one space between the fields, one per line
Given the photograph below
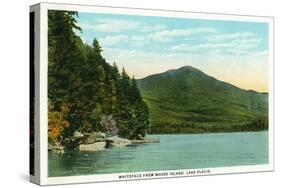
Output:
x=189 y=98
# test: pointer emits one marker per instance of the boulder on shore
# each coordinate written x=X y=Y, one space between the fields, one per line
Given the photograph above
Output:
x=97 y=146
x=77 y=134
x=56 y=148
x=90 y=138
x=116 y=141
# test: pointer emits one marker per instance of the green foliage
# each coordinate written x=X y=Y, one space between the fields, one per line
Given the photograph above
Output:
x=80 y=78
x=187 y=100
x=57 y=122
x=97 y=47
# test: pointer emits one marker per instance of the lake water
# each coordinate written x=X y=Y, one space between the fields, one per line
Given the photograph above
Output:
x=178 y=151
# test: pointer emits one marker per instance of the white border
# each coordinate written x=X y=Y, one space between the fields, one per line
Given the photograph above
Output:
x=44 y=7
x=36 y=177
x=43 y=95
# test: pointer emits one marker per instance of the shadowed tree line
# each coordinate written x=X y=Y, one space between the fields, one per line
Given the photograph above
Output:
x=258 y=124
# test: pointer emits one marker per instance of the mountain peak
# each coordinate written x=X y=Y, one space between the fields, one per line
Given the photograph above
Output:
x=184 y=69
x=187 y=67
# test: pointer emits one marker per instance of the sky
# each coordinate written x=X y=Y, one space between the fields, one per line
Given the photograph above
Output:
x=231 y=51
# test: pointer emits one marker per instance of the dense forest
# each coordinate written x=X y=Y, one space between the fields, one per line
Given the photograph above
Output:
x=84 y=90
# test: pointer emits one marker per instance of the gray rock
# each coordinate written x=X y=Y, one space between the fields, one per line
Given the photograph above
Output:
x=90 y=138
x=97 y=146
x=77 y=134
x=116 y=141
x=109 y=125
x=56 y=148
x=101 y=135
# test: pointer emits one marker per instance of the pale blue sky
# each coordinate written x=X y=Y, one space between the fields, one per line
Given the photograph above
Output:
x=147 y=45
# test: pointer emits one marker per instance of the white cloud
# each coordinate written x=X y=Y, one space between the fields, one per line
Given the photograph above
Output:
x=193 y=48
x=109 y=52
x=232 y=36
x=138 y=38
x=248 y=41
x=166 y=35
x=151 y=28
x=263 y=53
x=139 y=41
x=134 y=40
x=111 y=25
x=237 y=43
x=113 y=40
x=210 y=46
x=114 y=25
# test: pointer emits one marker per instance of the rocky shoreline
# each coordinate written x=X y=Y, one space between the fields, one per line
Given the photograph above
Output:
x=96 y=141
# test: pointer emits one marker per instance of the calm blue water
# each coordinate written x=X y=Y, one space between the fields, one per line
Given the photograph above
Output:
x=184 y=151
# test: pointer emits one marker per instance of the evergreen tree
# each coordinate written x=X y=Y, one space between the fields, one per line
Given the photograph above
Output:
x=96 y=46
x=140 y=110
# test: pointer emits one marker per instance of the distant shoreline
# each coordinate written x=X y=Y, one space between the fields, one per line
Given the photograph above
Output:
x=208 y=132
